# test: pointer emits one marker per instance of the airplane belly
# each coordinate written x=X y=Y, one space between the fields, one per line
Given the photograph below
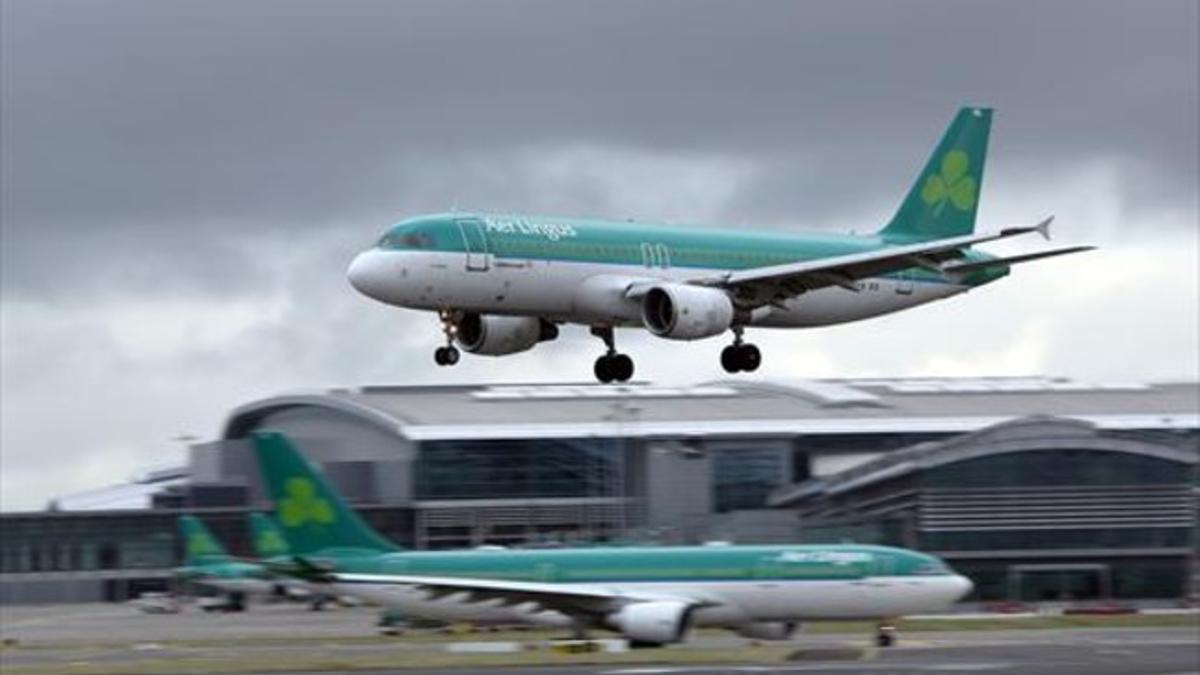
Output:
x=842 y=599
x=837 y=305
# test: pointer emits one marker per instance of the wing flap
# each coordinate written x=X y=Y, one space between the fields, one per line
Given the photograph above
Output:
x=775 y=283
x=860 y=265
x=962 y=268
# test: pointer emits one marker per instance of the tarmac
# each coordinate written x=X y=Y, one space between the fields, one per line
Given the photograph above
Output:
x=117 y=638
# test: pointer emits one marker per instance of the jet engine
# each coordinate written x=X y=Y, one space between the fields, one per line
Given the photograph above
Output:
x=659 y=622
x=681 y=312
x=495 y=335
x=767 y=630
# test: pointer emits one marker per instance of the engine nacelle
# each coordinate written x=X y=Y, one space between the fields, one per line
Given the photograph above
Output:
x=681 y=312
x=659 y=622
x=495 y=335
x=768 y=630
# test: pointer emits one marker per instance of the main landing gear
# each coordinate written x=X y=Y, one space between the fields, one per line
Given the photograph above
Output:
x=885 y=634
x=448 y=355
x=612 y=366
x=740 y=356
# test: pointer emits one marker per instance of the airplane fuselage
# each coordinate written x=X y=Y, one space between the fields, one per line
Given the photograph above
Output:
x=740 y=584
x=577 y=271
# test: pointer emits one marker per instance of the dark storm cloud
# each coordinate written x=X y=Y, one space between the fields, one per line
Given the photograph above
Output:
x=290 y=114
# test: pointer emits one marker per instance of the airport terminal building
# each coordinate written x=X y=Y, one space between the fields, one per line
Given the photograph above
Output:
x=1039 y=488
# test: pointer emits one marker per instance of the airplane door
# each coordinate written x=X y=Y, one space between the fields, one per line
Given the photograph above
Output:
x=904 y=282
x=474 y=243
x=664 y=256
x=647 y=255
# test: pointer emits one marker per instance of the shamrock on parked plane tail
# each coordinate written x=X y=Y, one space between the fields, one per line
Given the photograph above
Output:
x=302 y=505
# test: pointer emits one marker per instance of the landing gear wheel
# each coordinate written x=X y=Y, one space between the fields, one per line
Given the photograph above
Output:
x=740 y=357
x=750 y=358
x=603 y=369
x=446 y=356
x=613 y=366
x=885 y=636
x=729 y=359
x=621 y=366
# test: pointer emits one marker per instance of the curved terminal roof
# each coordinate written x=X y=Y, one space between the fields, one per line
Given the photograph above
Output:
x=1024 y=435
x=744 y=407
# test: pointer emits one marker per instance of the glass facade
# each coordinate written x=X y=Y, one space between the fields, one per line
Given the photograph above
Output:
x=1076 y=579
x=1054 y=524
x=1097 y=538
x=1065 y=466
x=743 y=479
x=520 y=469
x=83 y=542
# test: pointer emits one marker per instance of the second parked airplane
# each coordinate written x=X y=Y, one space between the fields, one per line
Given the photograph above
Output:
x=502 y=284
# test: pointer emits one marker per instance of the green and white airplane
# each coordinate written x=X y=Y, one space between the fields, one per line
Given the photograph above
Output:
x=651 y=595
x=503 y=283
x=207 y=563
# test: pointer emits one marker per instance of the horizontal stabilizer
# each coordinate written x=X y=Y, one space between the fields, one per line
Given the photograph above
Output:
x=961 y=268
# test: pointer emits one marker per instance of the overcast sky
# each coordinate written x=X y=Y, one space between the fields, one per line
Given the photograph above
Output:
x=184 y=183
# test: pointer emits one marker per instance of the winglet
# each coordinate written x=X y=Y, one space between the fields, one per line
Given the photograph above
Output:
x=1043 y=228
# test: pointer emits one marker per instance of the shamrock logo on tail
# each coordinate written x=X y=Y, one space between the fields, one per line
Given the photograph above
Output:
x=951 y=184
x=199 y=545
x=302 y=505
x=270 y=543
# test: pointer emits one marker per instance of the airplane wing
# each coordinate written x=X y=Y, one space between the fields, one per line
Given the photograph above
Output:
x=775 y=283
x=568 y=600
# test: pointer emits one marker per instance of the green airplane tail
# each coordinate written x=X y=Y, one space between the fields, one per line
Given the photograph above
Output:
x=311 y=514
x=268 y=539
x=200 y=547
x=943 y=201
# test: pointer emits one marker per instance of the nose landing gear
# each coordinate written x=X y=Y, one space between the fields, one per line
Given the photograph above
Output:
x=612 y=366
x=740 y=356
x=448 y=355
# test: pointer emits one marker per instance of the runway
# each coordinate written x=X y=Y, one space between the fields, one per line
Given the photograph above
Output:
x=114 y=639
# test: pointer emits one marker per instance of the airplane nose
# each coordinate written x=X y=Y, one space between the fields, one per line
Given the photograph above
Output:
x=963 y=587
x=366 y=274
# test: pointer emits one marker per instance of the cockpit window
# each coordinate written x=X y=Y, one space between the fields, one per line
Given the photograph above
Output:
x=932 y=568
x=407 y=239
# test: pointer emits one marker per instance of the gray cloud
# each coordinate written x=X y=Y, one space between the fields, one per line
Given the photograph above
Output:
x=182 y=184
x=295 y=113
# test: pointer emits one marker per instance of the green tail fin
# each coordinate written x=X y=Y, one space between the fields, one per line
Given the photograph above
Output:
x=200 y=547
x=313 y=517
x=943 y=201
x=269 y=541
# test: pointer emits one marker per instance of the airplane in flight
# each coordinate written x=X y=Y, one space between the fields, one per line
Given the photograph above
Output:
x=501 y=284
x=651 y=595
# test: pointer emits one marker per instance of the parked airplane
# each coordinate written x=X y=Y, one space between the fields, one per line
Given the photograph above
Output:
x=207 y=563
x=502 y=284
x=651 y=595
